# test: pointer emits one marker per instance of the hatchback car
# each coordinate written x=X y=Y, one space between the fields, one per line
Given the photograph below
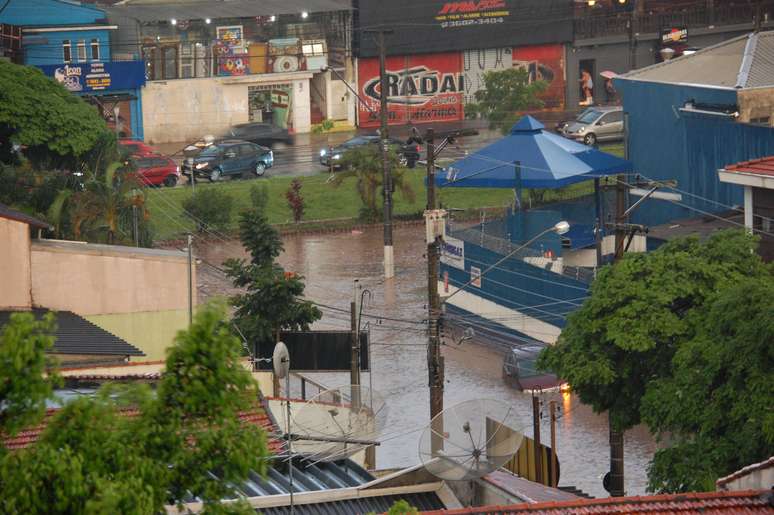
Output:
x=408 y=153
x=264 y=134
x=155 y=170
x=229 y=158
x=135 y=147
x=597 y=124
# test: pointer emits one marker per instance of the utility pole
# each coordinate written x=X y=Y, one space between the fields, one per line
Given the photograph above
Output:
x=632 y=36
x=536 y=435
x=435 y=365
x=554 y=461
x=354 y=375
x=190 y=280
x=134 y=226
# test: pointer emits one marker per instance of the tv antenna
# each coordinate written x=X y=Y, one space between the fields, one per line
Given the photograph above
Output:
x=339 y=422
x=471 y=439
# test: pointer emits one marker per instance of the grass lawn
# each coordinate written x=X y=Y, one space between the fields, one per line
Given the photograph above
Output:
x=324 y=201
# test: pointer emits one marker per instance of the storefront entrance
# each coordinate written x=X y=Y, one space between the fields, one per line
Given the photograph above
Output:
x=270 y=103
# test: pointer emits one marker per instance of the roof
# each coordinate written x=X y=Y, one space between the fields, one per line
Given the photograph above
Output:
x=164 y=10
x=763 y=166
x=544 y=159
x=705 y=503
x=742 y=62
x=12 y=214
x=109 y=250
x=257 y=416
x=526 y=490
x=379 y=504
x=76 y=335
x=749 y=469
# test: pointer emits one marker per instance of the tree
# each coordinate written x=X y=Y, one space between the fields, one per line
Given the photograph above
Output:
x=272 y=300
x=506 y=93
x=54 y=126
x=24 y=384
x=639 y=312
x=715 y=407
x=210 y=209
x=365 y=164
x=295 y=200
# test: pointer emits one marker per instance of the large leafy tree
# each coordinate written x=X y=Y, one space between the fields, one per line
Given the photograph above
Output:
x=272 y=299
x=641 y=312
x=24 y=385
x=715 y=408
x=365 y=165
x=506 y=93
x=55 y=126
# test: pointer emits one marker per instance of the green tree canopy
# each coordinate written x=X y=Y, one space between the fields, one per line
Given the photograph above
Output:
x=55 y=126
x=272 y=300
x=505 y=95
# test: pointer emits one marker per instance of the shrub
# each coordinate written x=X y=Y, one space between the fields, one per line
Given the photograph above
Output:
x=210 y=209
x=295 y=200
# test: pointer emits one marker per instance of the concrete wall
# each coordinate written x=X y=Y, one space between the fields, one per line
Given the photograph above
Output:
x=93 y=279
x=187 y=109
x=15 y=278
x=756 y=103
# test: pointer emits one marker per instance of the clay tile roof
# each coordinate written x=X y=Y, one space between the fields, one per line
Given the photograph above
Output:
x=704 y=503
x=763 y=166
x=257 y=416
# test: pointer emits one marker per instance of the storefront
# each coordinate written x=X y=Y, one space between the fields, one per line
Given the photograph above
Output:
x=270 y=103
x=115 y=88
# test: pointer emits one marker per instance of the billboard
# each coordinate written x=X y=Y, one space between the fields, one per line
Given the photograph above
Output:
x=428 y=26
x=475 y=63
x=544 y=62
x=96 y=76
x=423 y=88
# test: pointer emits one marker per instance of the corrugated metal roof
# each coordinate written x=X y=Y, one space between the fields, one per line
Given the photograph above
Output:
x=164 y=10
x=761 y=72
x=12 y=214
x=763 y=166
x=704 y=503
x=76 y=335
x=421 y=501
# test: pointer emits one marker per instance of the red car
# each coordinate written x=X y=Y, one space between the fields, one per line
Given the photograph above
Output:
x=155 y=170
x=135 y=147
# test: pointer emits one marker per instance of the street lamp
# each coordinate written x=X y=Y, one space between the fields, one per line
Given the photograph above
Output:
x=559 y=228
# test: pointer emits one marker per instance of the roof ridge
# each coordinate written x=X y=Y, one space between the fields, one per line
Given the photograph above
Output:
x=747 y=60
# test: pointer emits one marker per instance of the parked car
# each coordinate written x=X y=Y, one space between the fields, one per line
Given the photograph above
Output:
x=260 y=133
x=135 y=147
x=597 y=124
x=562 y=126
x=156 y=170
x=520 y=369
x=408 y=153
x=229 y=158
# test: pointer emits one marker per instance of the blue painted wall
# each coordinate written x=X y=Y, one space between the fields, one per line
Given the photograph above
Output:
x=47 y=48
x=50 y=12
x=665 y=143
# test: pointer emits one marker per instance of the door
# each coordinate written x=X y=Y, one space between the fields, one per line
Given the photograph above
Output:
x=610 y=126
x=159 y=171
x=247 y=157
x=230 y=161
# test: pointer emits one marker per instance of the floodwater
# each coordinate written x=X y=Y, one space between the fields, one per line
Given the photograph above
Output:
x=330 y=262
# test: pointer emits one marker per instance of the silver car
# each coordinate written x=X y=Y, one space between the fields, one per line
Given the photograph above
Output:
x=597 y=124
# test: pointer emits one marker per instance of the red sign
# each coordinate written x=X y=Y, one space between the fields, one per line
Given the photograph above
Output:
x=421 y=89
x=544 y=62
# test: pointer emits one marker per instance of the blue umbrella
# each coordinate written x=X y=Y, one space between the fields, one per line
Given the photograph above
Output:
x=531 y=157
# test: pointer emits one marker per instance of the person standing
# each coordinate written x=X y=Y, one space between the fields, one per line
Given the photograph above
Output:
x=587 y=86
x=611 y=95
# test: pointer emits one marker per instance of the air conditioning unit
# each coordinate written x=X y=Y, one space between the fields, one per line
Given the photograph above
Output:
x=285 y=63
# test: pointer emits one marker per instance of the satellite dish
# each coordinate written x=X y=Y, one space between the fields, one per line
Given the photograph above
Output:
x=470 y=440
x=339 y=422
x=281 y=360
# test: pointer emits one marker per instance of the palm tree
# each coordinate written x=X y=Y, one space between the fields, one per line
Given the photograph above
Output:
x=365 y=164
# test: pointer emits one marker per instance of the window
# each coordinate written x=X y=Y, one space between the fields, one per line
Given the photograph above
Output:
x=313 y=49
x=614 y=117
x=95 y=49
x=81 y=51
x=761 y=120
x=67 y=51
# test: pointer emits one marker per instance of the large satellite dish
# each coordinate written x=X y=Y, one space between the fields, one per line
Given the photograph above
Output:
x=339 y=422
x=470 y=440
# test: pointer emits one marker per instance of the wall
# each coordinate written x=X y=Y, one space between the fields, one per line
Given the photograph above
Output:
x=48 y=12
x=150 y=331
x=46 y=47
x=756 y=103
x=107 y=279
x=187 y=109
x=14 y=264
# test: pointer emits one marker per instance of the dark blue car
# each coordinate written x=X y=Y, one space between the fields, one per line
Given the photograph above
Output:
x=229 y=158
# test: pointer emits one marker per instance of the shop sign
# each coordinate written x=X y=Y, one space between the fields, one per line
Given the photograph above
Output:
x=453 y=252
x=674 y=35
x=546 y=63
x=426 y=88
x=91 y=77
x=475 y=276
x=231 y=36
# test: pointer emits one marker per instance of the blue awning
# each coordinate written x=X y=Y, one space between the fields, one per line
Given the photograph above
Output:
x=531 y=157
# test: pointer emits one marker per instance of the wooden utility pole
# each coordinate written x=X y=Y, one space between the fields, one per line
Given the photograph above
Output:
x=554 y=461
x=435 y=365
x=389 y=264
x=536 y=436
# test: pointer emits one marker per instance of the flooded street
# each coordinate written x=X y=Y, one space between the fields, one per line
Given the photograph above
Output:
x=399 y=355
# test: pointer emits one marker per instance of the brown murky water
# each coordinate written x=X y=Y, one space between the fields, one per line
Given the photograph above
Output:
x=331 y=262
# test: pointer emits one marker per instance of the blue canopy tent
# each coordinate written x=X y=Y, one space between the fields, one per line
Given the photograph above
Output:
x=531 y=157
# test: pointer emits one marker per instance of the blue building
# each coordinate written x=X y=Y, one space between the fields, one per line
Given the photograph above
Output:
x=71 y=43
